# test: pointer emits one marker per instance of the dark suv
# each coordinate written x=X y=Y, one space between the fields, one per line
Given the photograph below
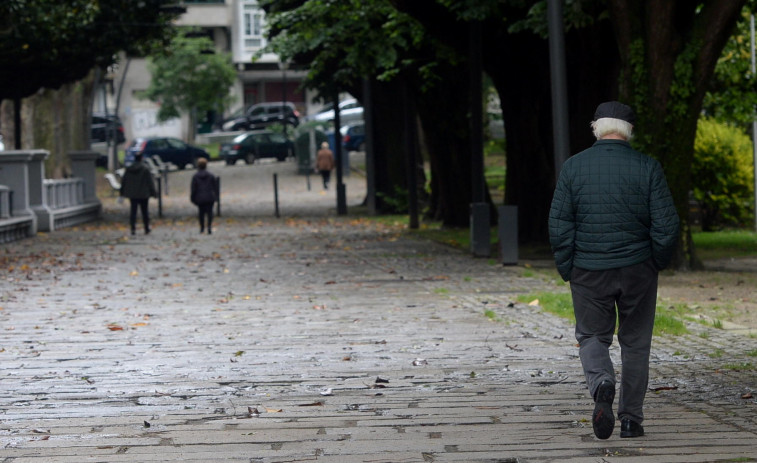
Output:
x=262 y=115
x=254 y=145
x=105 y=126
x=169 y=149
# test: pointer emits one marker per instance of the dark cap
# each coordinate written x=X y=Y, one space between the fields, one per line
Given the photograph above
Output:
x=615 y=110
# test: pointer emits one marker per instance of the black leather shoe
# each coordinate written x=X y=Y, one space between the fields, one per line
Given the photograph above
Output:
x=629 y=428
x=603 y=419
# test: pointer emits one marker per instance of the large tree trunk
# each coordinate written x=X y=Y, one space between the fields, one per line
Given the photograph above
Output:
x=388 y=144
x=53 y=120
x=444 y=118
x=519 y=68
x=668 y=52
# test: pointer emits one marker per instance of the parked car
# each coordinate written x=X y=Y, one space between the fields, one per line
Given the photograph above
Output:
x=353 y=137
x=349 y=111
x=262 y=115
x=102 y=127
x=101 y=124
x=254 y=145
x=170 y=150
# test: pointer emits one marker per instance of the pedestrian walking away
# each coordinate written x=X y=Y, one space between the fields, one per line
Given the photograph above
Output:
x=203 y=194
x=138 y=185
x=324 y=163
x=612 y=227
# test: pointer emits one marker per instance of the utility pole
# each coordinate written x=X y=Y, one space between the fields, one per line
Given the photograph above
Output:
x=754 y=128
x=559 y=85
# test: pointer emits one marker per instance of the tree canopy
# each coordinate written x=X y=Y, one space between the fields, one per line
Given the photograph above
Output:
x=190 y=76
x=48 y=43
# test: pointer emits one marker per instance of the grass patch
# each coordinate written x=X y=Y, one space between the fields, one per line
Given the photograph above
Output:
x=668 y=320
x=722 y=244
x=560 y=304
x=718 y=353
x=491 y=315
x=744 y=366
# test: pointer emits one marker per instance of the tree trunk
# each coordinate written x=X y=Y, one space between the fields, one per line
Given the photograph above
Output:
x=444 y=118
x=519 y=68
x=388 y=145
x=54 y=120
x=668 y=54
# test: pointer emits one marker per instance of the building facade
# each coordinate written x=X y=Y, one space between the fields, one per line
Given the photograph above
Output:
x=236 y=27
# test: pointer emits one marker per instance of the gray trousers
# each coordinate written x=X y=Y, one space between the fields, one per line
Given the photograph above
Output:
x=596 y=295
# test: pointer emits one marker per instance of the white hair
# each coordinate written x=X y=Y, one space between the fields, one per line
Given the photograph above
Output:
x=607 y=125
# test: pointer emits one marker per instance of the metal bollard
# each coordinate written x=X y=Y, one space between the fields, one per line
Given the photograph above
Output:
x=276 y=193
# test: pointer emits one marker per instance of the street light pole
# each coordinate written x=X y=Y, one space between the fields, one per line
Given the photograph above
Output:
x=284 y=65
x=754 y=127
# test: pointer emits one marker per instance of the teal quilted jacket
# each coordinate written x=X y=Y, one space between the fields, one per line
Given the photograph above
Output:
x=611 y=208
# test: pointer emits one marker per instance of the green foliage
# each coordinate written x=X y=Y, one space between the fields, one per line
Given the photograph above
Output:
x=722 y=175
x=722 y=244
x=48 y=43
x=397 y=203
x=190 y=76
x=346 y=41
x=732 y=95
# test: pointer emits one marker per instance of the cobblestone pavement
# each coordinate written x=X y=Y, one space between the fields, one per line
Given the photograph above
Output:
x=316 y=338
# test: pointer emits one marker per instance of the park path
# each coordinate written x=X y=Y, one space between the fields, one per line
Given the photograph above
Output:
x=313 y=337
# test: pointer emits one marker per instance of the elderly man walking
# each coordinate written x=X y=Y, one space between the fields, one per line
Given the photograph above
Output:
x=612 y=227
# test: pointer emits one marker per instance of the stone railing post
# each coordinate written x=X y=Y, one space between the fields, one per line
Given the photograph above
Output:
x=23 y=171
x=83 y=166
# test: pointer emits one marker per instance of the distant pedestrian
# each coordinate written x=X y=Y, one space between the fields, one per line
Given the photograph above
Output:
x=203 y=194
x=324 y=163
x=138 y=185
x=613 y=226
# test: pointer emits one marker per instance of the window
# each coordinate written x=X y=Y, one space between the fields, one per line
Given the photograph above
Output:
x=252 y=17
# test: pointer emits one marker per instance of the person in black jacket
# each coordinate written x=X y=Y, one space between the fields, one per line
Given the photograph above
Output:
x=137 y=184
x=204 y=193
x=612 y=227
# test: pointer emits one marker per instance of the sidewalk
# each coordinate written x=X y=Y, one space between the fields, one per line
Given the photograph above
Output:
x=319 y=339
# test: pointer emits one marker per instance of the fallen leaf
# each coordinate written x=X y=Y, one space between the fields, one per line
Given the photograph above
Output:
x=139 y=324
x=114 y=327
x=665 y=388
x=534 y=302
x=239 y=353
x=313 y=404
x=748 y=395
x=133 y=273
x=330 y=282
x=273 y=410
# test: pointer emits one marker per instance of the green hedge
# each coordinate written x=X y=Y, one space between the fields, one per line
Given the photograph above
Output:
x=723 y=175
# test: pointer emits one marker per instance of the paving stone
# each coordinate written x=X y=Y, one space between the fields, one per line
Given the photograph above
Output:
x=319 y=338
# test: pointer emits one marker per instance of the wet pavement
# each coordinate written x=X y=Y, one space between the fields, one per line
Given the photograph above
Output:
x=312 y=337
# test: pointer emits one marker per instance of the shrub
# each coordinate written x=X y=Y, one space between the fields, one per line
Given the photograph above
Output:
x=722 y=175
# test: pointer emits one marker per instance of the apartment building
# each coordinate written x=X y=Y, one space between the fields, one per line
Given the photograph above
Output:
x=236 y=27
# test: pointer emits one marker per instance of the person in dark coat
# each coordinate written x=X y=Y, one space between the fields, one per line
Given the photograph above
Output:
x=612 y=227
x=138 y=185
x=204 y=193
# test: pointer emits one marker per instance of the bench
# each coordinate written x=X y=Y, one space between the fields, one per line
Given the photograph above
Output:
x=113 y=181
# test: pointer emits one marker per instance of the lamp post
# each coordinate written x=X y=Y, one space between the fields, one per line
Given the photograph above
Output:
x=284 y=65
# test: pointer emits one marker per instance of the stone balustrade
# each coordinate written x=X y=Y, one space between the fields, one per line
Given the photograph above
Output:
x=29 y=203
